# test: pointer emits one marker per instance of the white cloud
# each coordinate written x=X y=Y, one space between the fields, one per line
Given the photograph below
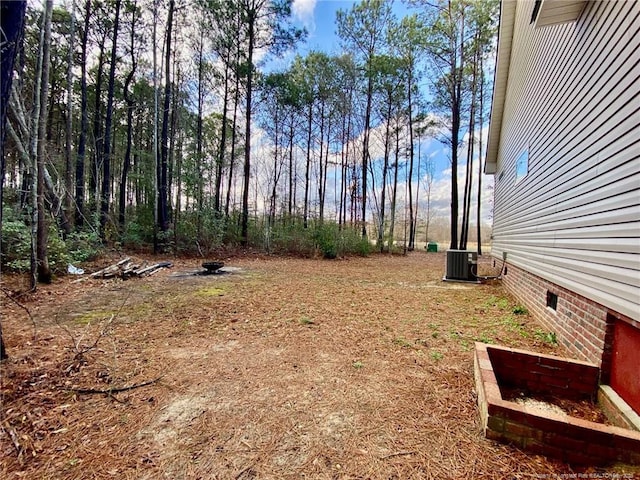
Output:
x=303 y=10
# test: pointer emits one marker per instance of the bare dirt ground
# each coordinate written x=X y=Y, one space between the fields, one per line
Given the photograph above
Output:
x=282 y=369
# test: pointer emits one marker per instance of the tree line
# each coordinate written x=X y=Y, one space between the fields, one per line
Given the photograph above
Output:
x=164 y=123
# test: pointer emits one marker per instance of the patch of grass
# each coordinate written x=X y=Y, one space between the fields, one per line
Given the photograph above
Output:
x=402 y=342
x=210 y=292
x=512 y=323
x=502 y=303
x=434 y=335
x=515 y=325
x=520 y=310
x=89 y=317
x=473 y=322
x=436 y=356
x=306 y=321
x=484 y=338
x=357 y=364
x=549 y=338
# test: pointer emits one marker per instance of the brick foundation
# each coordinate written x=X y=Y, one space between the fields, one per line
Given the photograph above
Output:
x=581 y=325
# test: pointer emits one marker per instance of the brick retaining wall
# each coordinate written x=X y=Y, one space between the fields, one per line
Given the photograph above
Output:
x=570 y=439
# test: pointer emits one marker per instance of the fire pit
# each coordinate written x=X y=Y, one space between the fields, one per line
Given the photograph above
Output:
x=212 y=267
x=546 y=432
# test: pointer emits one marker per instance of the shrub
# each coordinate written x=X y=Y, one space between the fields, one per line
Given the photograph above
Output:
x=292 y=238
x=209 y=236
x=327 y=237
x=16 y=242
x=16 y=245
x=83 y=246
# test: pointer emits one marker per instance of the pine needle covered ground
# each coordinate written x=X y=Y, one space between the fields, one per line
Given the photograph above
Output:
x=284 y=368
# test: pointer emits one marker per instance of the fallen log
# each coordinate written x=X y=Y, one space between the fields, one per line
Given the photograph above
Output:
x=125 y=268
x=148 y=270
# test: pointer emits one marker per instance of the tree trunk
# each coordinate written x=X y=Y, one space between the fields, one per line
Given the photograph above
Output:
x=346 y=158
x=481 y=122
x=43 y=270
x=276 y=175
x=385 y=168
x=131 y=105
x=305 y=215
x=456 y=105
x=199 y=123
x=234 y=125
x=455 y=130
x=12 y=25
x=223 y=138
x=320 y=164
x=466 y=215
x=236 y=100
x=97 y=133
x=251 y=26
x=163 y=208
x=326 y=171
x=343 y=140
x=365 y=150
x=106 y=162
x=33 y=156
x=84 y=121
x=69 y=173
x=173 y=122
x=395 y=190
x=412 y=223
x=292 y=193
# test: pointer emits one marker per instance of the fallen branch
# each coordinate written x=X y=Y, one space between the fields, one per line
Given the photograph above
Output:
x=77 y=348
x=110 y=391
x=397 y=454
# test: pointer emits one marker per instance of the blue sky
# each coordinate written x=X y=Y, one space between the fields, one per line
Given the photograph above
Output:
x=318 y=17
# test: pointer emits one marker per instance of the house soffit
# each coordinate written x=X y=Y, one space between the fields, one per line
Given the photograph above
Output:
x=553 y=12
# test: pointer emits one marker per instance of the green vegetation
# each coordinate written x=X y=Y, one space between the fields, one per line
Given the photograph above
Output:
x=402 y=342
x=549 y=338
x=484 y=338
x=327 y=239
x=520 y=310
x=515 y=325
x=502 y=303
x=306 y=321
x=211 y=292
x=436 y=356
x=16 y=245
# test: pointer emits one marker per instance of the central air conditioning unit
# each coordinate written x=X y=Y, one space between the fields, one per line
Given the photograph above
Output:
x=462 y=265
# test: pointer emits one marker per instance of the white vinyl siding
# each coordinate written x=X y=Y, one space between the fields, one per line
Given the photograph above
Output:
x=573 y=96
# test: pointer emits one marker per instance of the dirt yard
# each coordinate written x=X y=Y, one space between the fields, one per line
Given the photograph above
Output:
x=282 y=368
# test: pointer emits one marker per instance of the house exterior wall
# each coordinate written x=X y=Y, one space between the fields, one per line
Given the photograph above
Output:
x=583 y=326
x=570 y=219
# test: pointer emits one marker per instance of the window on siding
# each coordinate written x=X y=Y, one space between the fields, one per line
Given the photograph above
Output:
x=522 y=165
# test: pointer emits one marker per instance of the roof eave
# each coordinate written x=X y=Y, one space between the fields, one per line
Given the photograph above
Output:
x=503 y=60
